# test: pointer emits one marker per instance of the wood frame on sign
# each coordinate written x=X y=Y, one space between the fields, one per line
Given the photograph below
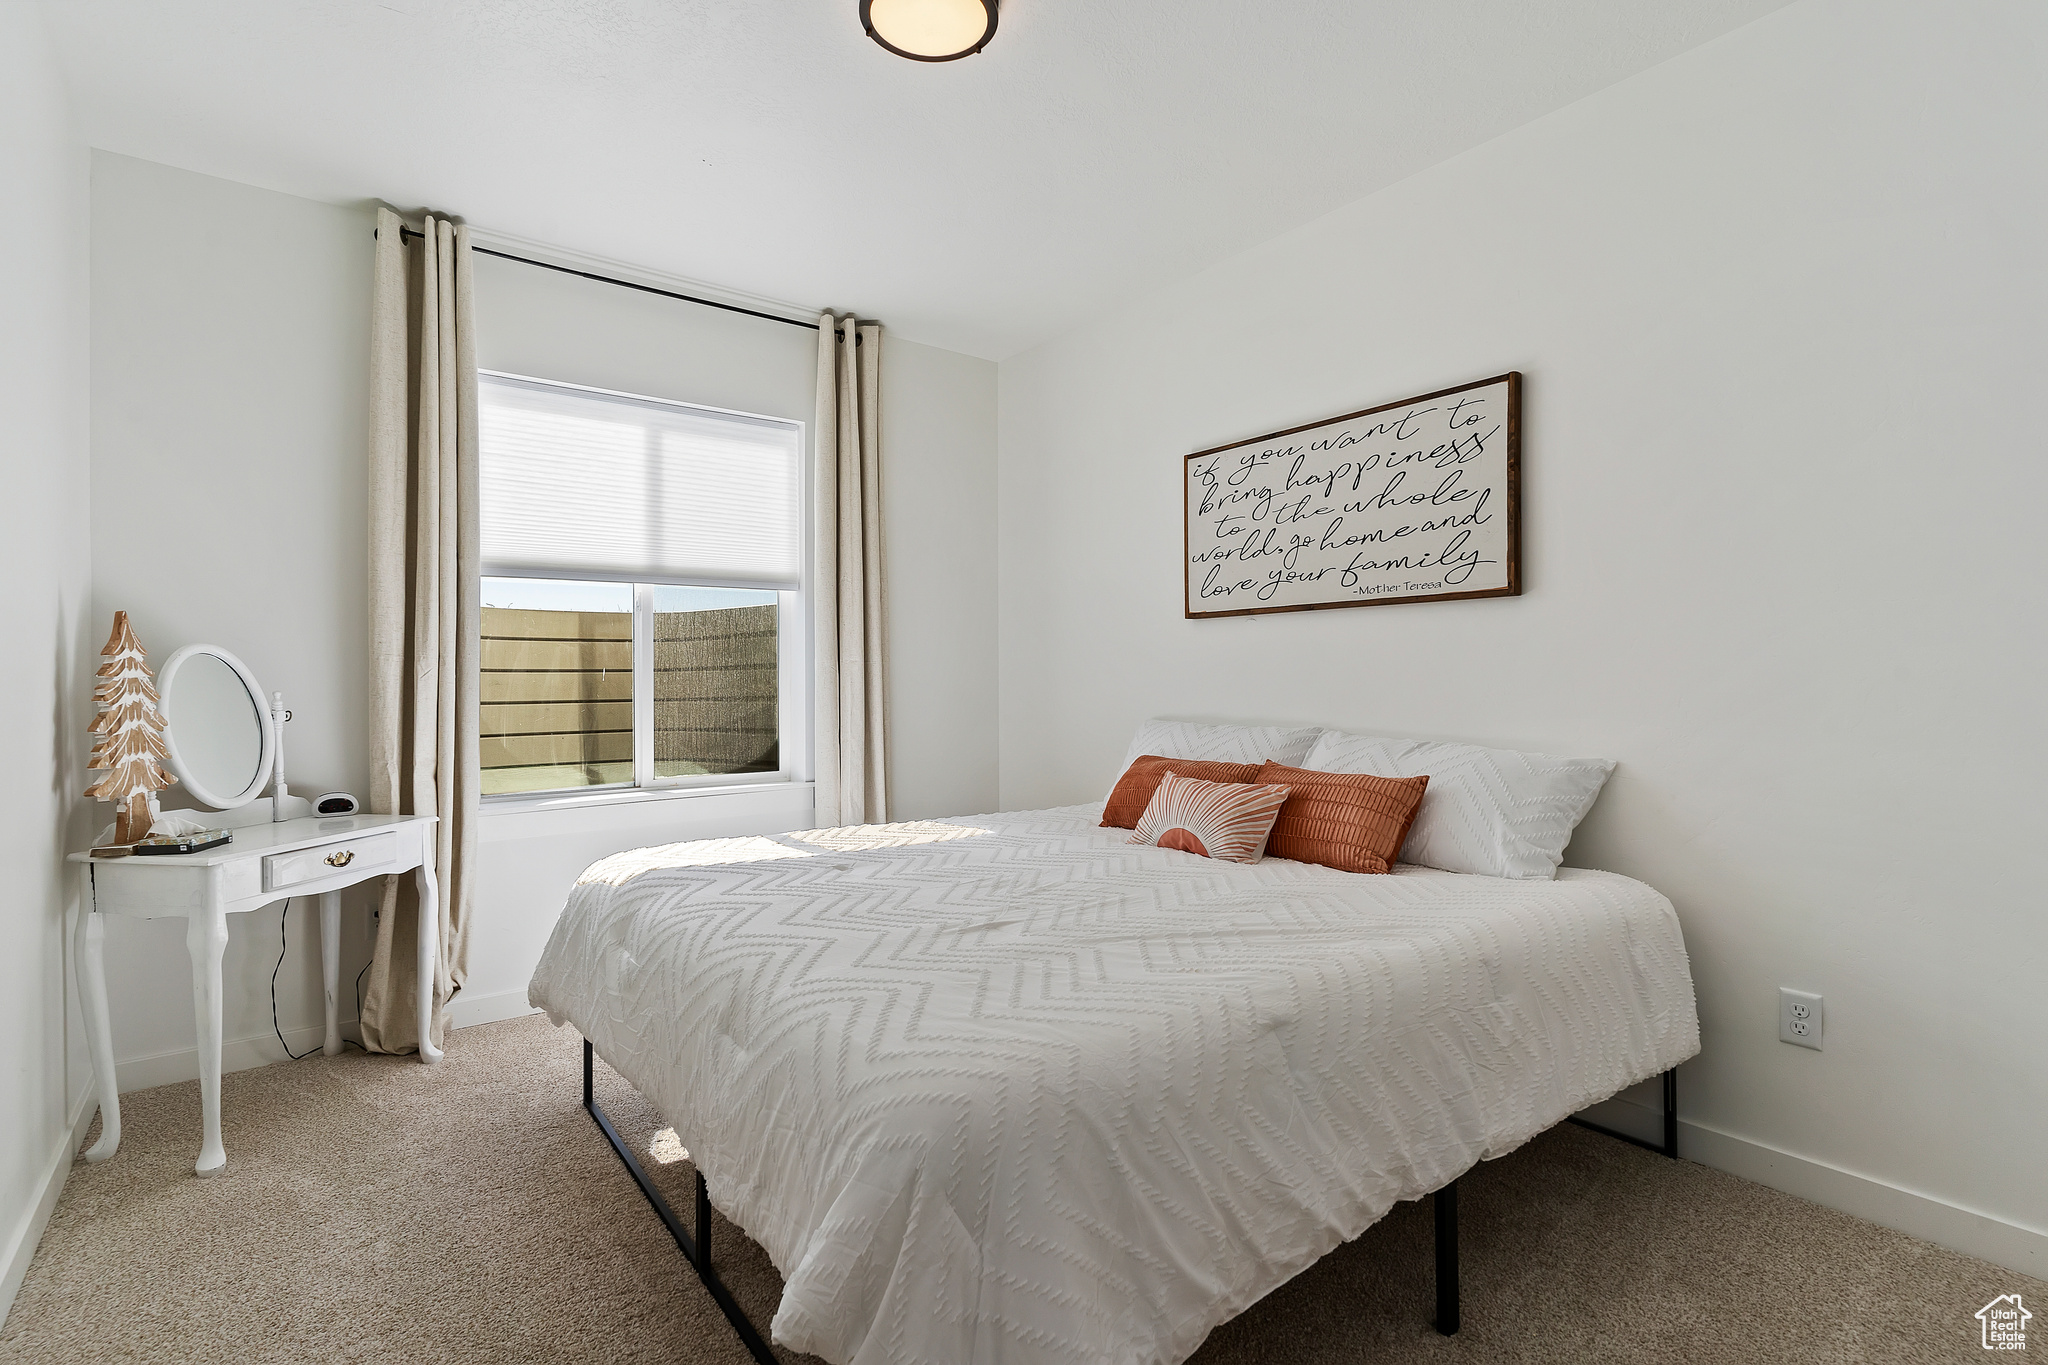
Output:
x=1513 y=379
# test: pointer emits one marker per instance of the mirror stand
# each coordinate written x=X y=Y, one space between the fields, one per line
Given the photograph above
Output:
x=280 y=795
x=257 y=812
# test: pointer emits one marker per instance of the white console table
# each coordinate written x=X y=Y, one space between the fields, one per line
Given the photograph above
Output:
x=265 y=864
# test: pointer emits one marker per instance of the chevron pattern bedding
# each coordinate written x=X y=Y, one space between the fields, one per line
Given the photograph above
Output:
x=1009 y=1090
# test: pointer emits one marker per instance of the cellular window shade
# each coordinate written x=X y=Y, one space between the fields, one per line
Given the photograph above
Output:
x=583 y=484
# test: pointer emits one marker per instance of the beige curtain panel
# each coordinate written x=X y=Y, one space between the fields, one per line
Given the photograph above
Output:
x=851 y=740
x=425 y=602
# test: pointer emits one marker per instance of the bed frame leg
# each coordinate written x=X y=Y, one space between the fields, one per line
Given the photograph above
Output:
x=1446 y=1200
x=1669 y=1146
x=703 y=1224
x=1671 y=1113
x=1447 y=1207
x=696 y=1250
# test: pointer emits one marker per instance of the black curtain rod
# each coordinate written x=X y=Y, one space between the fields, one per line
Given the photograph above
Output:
x=405 y=231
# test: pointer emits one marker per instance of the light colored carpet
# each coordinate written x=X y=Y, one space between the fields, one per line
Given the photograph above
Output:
x=377 y=1210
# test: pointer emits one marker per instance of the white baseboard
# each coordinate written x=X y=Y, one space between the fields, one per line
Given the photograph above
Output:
x=23 y=1237
x=236 y=1054
x=240 y=1054
x=1970 y=1231
x=467 y=1011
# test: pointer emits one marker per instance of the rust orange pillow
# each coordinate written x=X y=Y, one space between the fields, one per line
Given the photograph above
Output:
x=1134 y=789
x=1354 y=822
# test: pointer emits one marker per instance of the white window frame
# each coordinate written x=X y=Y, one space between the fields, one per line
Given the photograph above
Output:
x=793 y=636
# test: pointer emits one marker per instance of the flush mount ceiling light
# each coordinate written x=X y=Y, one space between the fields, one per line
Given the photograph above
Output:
x=930 y=30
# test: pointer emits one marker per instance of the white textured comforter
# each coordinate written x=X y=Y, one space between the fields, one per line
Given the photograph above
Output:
x=1010 y=1089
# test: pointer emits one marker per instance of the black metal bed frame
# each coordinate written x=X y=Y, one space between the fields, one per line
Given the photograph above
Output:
x=697 y=1249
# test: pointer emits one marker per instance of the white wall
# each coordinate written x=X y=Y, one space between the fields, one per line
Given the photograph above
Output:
x=1783 y=307
x=43 y=616
x=230 y=364
x=229 y=386
x=939 y=563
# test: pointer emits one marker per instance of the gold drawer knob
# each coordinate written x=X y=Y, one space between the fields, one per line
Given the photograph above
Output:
x=340 y=859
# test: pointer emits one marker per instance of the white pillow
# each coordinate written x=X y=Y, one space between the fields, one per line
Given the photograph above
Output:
x=1493 y=812
x=1221 y=743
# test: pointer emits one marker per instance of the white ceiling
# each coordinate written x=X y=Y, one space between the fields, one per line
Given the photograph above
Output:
x=1094 y=151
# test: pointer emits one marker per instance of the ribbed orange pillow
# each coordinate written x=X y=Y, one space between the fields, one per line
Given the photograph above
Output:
x=1354 y=822
x=1134 y=789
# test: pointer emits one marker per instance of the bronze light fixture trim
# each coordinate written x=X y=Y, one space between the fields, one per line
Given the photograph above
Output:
x=930 y=30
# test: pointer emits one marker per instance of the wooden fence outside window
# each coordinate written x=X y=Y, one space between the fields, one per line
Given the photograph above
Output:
x=558 y=696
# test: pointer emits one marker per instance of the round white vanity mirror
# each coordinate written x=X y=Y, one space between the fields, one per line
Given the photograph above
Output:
x=217 y=726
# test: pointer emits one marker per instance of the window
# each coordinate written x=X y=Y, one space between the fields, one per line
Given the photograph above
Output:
x=641 y=561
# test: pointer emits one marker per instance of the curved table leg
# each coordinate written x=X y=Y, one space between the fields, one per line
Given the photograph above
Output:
x=330 y=967
x=206 y=937
x=88 y=963
x=1446 y=1205
x=427 y=939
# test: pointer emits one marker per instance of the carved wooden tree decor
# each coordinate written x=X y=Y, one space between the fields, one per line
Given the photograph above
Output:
x=128 y=743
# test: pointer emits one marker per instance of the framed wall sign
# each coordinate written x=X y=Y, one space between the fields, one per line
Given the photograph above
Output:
x=1415 y=501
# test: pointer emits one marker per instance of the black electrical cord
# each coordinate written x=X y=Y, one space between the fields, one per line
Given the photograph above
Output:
x=283 y=924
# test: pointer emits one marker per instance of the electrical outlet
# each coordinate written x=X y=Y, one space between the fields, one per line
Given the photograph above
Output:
x=1799 y=1018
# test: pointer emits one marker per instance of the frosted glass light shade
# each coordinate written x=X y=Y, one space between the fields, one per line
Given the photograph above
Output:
x=930 y=30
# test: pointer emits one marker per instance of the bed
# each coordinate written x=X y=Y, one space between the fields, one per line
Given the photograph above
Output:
x=1010 y=1089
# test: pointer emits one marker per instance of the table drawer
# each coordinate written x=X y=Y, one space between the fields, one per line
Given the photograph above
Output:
x=367 y=853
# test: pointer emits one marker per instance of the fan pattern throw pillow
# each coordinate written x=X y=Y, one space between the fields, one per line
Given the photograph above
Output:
x=1226 y=820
